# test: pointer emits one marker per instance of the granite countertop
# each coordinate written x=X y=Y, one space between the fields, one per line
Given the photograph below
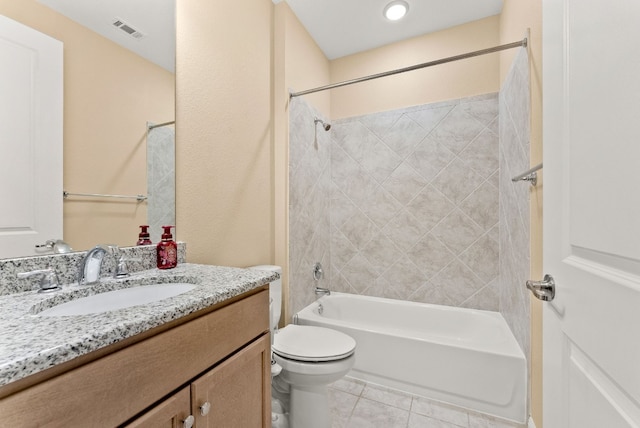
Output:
x=30 y=343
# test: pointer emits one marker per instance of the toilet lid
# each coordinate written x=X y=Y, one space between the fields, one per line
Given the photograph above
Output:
x=309 y=343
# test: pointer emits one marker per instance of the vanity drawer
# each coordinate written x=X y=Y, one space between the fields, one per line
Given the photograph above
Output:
x=114 y=388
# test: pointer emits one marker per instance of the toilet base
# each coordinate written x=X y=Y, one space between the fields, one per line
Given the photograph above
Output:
x=305 y=383
x=299 y=406
x=309 y=407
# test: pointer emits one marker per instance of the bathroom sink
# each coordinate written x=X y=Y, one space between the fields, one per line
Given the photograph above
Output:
x=118 y=299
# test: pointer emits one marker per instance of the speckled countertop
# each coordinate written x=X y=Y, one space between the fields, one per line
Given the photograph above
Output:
x=30 y=343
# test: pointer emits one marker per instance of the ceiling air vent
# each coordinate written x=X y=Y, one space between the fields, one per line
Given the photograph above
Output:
x=130 y=30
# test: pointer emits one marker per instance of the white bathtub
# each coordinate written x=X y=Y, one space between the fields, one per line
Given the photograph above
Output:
x=465 y=357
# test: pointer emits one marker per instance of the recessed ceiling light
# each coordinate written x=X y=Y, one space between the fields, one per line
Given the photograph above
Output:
x=396 y=10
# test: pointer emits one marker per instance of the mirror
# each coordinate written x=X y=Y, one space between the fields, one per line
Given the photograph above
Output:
x=118 y=78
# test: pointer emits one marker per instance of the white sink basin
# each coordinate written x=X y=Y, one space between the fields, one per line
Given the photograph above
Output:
x=118 y=299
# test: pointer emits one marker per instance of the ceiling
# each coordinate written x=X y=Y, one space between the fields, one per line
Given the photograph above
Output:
x=339 y=27
x=155 y=19
x=345 y=27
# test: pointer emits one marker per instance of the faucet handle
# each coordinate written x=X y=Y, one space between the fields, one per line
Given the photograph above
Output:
x=121 y=270
x=318 y=272
x=48 y=282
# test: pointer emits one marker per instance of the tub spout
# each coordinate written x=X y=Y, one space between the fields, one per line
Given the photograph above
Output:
x=322 y=291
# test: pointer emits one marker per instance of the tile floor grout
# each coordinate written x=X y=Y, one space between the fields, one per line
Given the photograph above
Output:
x=357 y=404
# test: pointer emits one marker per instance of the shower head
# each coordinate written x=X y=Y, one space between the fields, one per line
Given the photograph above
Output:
x=326 y=126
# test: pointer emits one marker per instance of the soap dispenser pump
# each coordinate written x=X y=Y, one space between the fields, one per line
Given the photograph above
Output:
x=143 y=237
x=167 y=250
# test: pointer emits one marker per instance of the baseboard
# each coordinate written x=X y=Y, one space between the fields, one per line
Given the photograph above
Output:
x=530 y=424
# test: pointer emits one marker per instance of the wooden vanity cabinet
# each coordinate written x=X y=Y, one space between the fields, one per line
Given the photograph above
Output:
x=219 y=355
x=171 y=413
x=231 y=394
x=235 y=390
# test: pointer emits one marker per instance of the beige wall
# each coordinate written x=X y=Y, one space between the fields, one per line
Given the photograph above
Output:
x=224 y=130
x=109 y=95
x=305 y=64
x=453 y=80
x=517 y=17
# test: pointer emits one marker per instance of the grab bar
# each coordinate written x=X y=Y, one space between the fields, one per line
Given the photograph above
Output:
x=529 y=175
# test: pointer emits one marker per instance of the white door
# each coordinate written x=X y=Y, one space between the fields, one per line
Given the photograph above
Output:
x=591 y=122
x=30 y=139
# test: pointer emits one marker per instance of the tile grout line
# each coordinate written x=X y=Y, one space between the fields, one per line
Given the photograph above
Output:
x=468 y=414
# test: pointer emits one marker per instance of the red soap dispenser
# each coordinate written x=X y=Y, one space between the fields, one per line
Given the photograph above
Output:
x=143 y=237
x=167 y=250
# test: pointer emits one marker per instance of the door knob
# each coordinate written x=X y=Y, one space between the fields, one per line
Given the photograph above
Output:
x=544 y=290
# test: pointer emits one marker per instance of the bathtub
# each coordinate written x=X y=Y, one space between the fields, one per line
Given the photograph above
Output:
x=464 y=357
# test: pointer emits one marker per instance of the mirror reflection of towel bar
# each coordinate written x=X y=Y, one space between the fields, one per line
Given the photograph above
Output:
x=530 y=175
x=139 y=198
x=151 y=126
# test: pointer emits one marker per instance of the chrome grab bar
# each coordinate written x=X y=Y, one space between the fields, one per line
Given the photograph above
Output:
x=529 y=175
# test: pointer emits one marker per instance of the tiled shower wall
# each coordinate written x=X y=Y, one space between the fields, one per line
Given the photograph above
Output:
x=161 y=187
x=514 y=199
x=309 y=202
x=414 y=207
x=405 y=203
x=413 y=203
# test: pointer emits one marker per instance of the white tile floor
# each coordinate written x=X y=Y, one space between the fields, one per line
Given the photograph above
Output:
x=356 y=404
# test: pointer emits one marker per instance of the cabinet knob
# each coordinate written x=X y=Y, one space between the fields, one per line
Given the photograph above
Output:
x=188 y=422
x=204 y=409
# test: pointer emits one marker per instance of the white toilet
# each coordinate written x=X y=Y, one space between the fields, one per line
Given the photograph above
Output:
x=311 y=358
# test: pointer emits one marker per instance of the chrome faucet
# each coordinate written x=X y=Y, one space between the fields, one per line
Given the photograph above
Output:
x=92 y=263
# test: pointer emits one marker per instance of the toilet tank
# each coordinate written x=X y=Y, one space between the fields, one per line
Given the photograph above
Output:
x=275 y=293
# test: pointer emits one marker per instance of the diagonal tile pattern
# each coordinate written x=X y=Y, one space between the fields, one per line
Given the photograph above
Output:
x=310 y=203
x=413 y=194
x=514 y=199
x=419 y=185
x=357 y=404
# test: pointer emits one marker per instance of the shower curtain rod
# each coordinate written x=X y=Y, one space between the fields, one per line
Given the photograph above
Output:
x=521 y=43
x=150 y=127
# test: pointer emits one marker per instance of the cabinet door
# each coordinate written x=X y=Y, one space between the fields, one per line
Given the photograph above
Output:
x=171 y=413
x=238 y=391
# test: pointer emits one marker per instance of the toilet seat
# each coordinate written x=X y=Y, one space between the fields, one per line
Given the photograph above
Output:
x=310 y=343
